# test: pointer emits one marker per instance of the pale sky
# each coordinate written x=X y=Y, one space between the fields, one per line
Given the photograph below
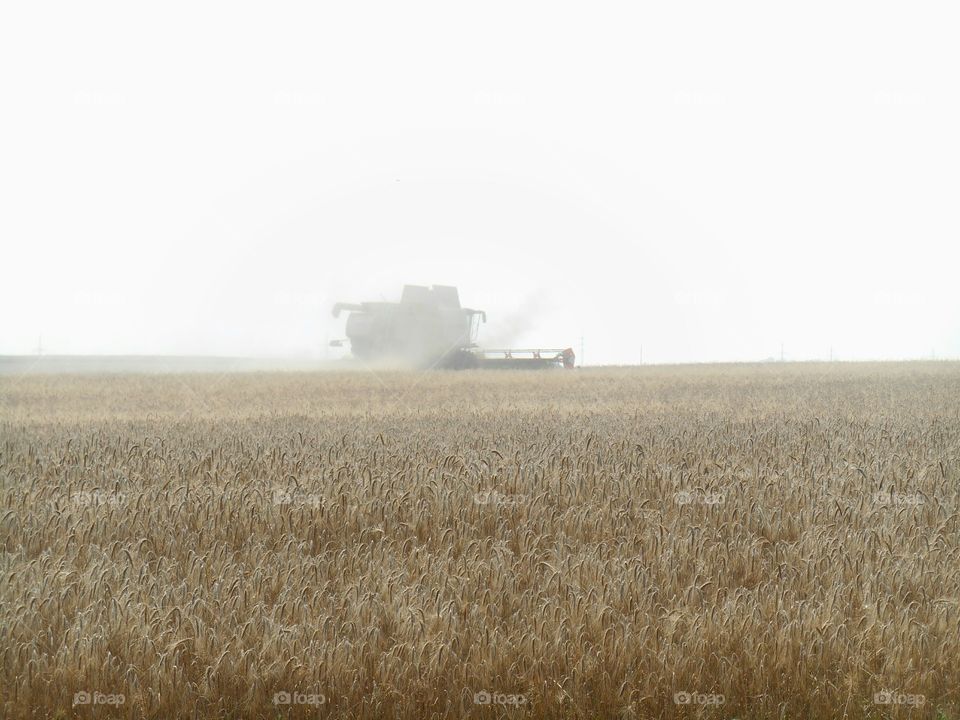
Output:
x=702 y=180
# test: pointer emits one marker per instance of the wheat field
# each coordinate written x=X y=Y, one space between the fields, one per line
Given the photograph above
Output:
x=754 y=541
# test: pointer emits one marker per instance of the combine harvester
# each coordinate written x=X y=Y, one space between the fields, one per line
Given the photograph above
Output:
x=429 y=328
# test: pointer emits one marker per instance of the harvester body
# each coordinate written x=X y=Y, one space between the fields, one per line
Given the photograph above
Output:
x=429 y=328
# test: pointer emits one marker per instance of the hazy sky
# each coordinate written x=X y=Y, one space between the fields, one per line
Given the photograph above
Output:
x=704 y=180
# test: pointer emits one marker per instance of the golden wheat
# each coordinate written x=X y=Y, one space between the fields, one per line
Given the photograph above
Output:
x=744 y=541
